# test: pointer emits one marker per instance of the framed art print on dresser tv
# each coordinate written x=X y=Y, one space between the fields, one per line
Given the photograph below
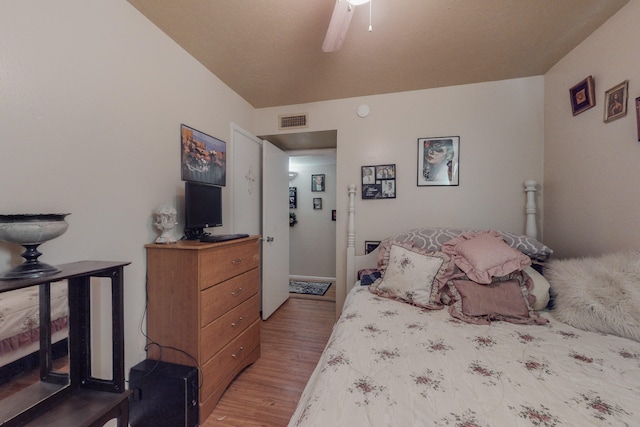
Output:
x=203 y=157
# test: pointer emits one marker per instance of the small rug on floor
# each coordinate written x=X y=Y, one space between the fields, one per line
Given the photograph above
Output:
x=310 y=288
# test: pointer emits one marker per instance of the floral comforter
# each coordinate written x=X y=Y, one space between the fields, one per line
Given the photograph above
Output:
x=388 y=363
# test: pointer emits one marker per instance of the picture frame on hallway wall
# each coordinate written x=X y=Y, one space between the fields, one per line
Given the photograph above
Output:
x=615 y=101
x=317 y=182
x=317 y=203
x=203 y=157
x=293 y=197
x=438 y=161
x=583 y=96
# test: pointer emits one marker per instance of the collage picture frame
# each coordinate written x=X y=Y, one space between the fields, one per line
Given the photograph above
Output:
x=379 y=181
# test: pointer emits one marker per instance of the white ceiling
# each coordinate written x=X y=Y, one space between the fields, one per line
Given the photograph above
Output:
x=270 y=51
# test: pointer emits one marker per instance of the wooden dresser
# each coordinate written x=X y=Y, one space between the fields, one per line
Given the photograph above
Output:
x=203 y=300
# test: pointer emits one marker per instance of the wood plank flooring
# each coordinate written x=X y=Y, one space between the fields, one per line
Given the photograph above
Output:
x=267 y=392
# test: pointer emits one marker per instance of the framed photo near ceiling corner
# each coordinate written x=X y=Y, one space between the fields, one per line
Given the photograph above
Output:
x=203 y=158
x=379 y=181
x=438 y=161
x=582 y=96
x=317 y=182
x=615 y=101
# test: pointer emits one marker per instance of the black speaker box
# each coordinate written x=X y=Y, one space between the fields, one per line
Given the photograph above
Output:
x=164 y=395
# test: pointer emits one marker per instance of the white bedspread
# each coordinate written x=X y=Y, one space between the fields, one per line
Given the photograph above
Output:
x=391 y=364
x=20 y=319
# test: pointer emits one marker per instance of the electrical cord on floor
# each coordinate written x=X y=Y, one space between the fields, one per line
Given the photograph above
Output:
x=161 y=347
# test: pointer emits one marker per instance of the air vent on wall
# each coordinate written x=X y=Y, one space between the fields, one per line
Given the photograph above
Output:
x=292 y=121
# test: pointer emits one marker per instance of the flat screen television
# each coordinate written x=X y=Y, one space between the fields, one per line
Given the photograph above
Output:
x=202 y=208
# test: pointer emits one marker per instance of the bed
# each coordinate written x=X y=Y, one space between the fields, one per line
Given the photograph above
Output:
x=405 y=355
x=20 y=331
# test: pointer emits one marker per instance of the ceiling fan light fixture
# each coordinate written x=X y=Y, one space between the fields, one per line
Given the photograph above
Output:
x=337 y=31
x=339 y=25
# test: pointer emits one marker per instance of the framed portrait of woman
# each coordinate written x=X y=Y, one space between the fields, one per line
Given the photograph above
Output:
x=438 y=161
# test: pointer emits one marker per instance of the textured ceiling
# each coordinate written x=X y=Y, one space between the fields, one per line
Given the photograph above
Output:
x=270 y=51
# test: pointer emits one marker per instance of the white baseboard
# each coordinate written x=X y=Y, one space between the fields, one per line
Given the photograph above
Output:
x=313 y=279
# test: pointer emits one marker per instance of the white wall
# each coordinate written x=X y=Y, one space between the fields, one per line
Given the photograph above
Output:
x=312 y=241
x=501 y=129
x=93 y=96
x=591 y=168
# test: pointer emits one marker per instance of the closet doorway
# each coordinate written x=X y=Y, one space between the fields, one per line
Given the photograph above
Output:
x=312 y=237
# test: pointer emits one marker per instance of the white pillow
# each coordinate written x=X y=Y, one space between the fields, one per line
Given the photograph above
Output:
x=413 y=276
x=540 y=288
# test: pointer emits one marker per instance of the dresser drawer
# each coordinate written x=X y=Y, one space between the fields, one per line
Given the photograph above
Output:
x=219 y=299
x=218 y=264
x=220 y=332
x=229 y=358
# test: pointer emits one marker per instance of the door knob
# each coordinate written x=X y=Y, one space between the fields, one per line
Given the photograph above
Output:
x=269 y=239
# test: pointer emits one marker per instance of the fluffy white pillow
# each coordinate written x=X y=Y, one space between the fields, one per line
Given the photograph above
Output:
x=413 y=276
x=598 y=294
x=540 y=288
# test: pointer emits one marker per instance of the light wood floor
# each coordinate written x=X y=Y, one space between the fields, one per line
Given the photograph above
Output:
x=267 y=392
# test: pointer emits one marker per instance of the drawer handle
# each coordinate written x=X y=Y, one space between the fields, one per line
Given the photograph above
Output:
x=237 y=292
x=236 y=355
x=236 y=261
x=236 y=324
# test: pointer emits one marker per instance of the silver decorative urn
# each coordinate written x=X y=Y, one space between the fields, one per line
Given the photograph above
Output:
x=30 y=231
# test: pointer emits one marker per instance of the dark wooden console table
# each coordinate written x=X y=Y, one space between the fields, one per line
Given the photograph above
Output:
x=76 y=399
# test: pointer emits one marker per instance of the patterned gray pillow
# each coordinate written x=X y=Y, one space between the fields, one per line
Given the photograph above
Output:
x=431 y=239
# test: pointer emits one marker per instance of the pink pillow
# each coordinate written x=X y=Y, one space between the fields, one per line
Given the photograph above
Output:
x=503 y=298
x=485 y=255
x=506 y=300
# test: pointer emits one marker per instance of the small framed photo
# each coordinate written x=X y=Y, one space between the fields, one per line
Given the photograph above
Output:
x=438 y=160
x=317 y=182
x=293 y=197
x=638 y=115
x=583 y=96
x=615 y=101
x=317 y=203
x=370 y=245
x=333 y=215
x=379 y=182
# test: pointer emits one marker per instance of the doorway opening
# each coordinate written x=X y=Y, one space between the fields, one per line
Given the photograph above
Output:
x=312 y=208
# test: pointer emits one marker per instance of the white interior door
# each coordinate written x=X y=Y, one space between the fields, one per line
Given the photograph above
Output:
x=275 y=228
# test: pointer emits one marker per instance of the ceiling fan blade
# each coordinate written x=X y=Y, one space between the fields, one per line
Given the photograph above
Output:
x=338 y=27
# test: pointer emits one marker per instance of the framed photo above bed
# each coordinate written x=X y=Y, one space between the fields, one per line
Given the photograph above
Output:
x=379 y=182
x=583 y=96
x=615 y=101
x=203 y=158
x=371 y=245
x=438 y=161
x=317 y=182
